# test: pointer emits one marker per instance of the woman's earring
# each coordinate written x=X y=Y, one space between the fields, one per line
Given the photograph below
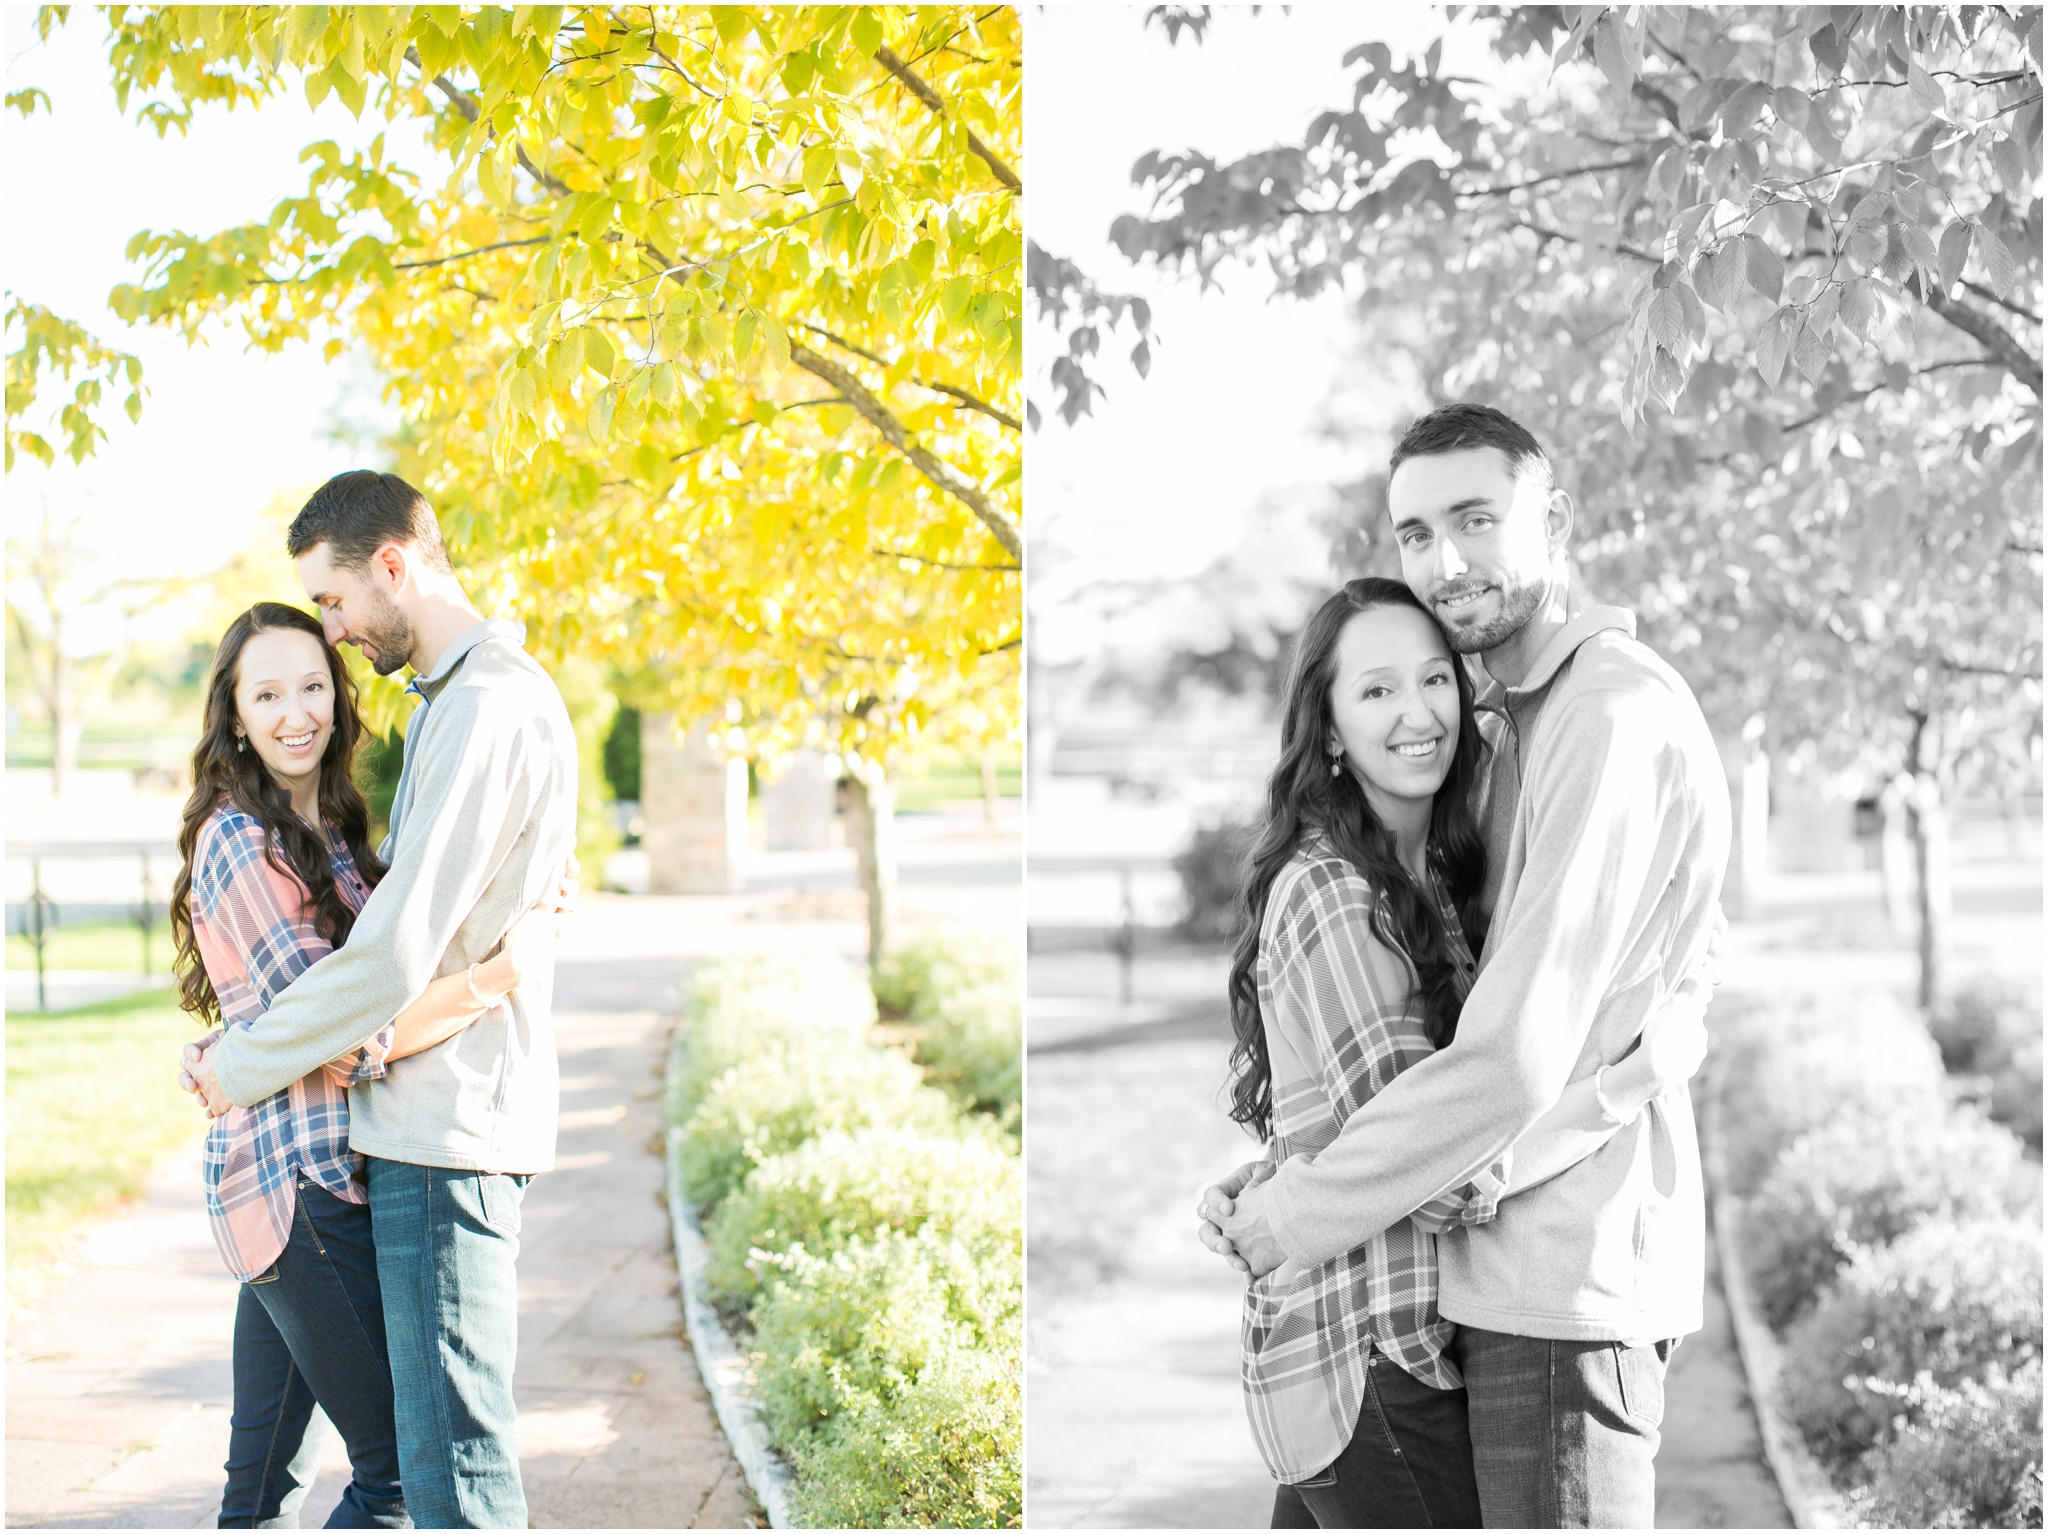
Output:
x=241 y=742
x=1336 y=764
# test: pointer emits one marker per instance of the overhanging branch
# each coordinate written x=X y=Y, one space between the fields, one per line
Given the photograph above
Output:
x=933 y=468
x=889 y=59
x=1996 y=339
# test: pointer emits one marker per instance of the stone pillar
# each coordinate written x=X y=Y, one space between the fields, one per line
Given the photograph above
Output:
x=693 y=803
x=799 y=805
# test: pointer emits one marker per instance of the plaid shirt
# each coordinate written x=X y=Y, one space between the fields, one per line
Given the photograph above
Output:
x=1341 y=1023
x=255 y=933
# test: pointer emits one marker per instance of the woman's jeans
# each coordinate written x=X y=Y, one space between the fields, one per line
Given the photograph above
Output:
x=446 y=1242
x=311 y=1329
x=1408 y=1465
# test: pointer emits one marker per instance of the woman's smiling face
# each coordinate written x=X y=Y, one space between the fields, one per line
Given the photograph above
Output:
x=1394 y=703
x=284 y=700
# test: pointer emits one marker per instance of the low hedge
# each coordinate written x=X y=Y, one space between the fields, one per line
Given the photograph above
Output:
x=1940 y=1306
x=964 y=1000
x=839 y=1188
x=791 y=1092
x=946 y=1452
x=1799 y=1067
x=1890 y=1228
x=742 y=1008
x=1865 y=1179
x=1969 y=1459
x=1989 y=1033
x=864 y=1231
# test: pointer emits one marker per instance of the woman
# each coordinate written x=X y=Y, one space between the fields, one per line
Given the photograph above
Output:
x=276 y=864
x=1361 y=916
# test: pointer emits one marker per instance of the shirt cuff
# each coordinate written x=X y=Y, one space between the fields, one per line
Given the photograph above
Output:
x=372 y=1061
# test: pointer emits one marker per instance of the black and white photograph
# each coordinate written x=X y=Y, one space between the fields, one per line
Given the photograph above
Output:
x=1533 y=1004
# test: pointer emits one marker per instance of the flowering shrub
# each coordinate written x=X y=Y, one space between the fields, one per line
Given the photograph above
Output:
x=1942 y=1305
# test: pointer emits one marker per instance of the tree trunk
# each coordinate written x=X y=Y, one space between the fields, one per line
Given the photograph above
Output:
x=871 y=823
x=66 y=727
x=1927 y=820
x=1895 y=853
x=990 y=798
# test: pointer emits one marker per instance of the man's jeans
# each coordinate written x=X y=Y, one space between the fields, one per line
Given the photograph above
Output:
x=446 y=1242
x=1408 y=1465
x=311 y=1327
x=1564 y=1434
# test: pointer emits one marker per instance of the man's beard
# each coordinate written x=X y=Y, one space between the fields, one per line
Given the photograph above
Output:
x=389 y=634
x=1518 y=604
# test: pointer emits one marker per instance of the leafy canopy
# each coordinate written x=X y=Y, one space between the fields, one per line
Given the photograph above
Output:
x=1768 y=278
x=705 y=325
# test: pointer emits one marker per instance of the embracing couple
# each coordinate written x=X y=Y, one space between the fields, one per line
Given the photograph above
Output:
x=384 y=1081
x=1468 y=993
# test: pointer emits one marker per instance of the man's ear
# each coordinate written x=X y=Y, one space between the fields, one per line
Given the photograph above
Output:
x=1558 y=514
x=392 y=566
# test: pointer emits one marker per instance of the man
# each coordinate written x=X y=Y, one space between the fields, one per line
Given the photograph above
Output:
x=483 y=822
x=1606 y=820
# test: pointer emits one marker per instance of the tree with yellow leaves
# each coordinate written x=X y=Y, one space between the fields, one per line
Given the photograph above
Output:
x=708 y=343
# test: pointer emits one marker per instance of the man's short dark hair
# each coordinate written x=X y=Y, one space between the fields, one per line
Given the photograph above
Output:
x=357 y=513
x=1455 y=428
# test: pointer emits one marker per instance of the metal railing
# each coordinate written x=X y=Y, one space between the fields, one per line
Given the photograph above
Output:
x=39 y=917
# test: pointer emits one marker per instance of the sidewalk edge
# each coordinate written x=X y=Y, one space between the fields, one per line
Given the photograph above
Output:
x=1809 y=1495
x=719 y=1359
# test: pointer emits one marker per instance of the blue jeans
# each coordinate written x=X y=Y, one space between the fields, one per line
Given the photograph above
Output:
x=1564 y=1434
x=1408 y=1465
x=311 y=1328
x=446 y=1242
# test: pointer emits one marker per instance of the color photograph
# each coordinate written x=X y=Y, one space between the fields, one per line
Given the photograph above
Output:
x=514 y=842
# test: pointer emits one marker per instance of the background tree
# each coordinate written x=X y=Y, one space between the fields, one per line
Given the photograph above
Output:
x=1767 y=278
x=71 y=615
x=706 y=329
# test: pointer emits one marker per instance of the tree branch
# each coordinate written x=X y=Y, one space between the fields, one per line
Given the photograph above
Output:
x=1990 y=297
x=1561 y=175
x=888 y=58
x=1877 y=388
x=2003 y=347
x=935 y=469
x=463 y=255
x=466 y=104
x=882 y=362
x=936 y=564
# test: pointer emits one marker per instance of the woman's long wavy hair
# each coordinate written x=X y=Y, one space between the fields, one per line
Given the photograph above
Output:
x=1303 y=799
x=222 y=774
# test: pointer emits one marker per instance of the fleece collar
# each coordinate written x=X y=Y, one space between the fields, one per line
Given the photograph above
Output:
x=1494 y=695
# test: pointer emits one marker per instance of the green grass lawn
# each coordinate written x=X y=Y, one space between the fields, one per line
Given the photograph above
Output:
x=96 y=945
x=950 y=783
x=92 y=1103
